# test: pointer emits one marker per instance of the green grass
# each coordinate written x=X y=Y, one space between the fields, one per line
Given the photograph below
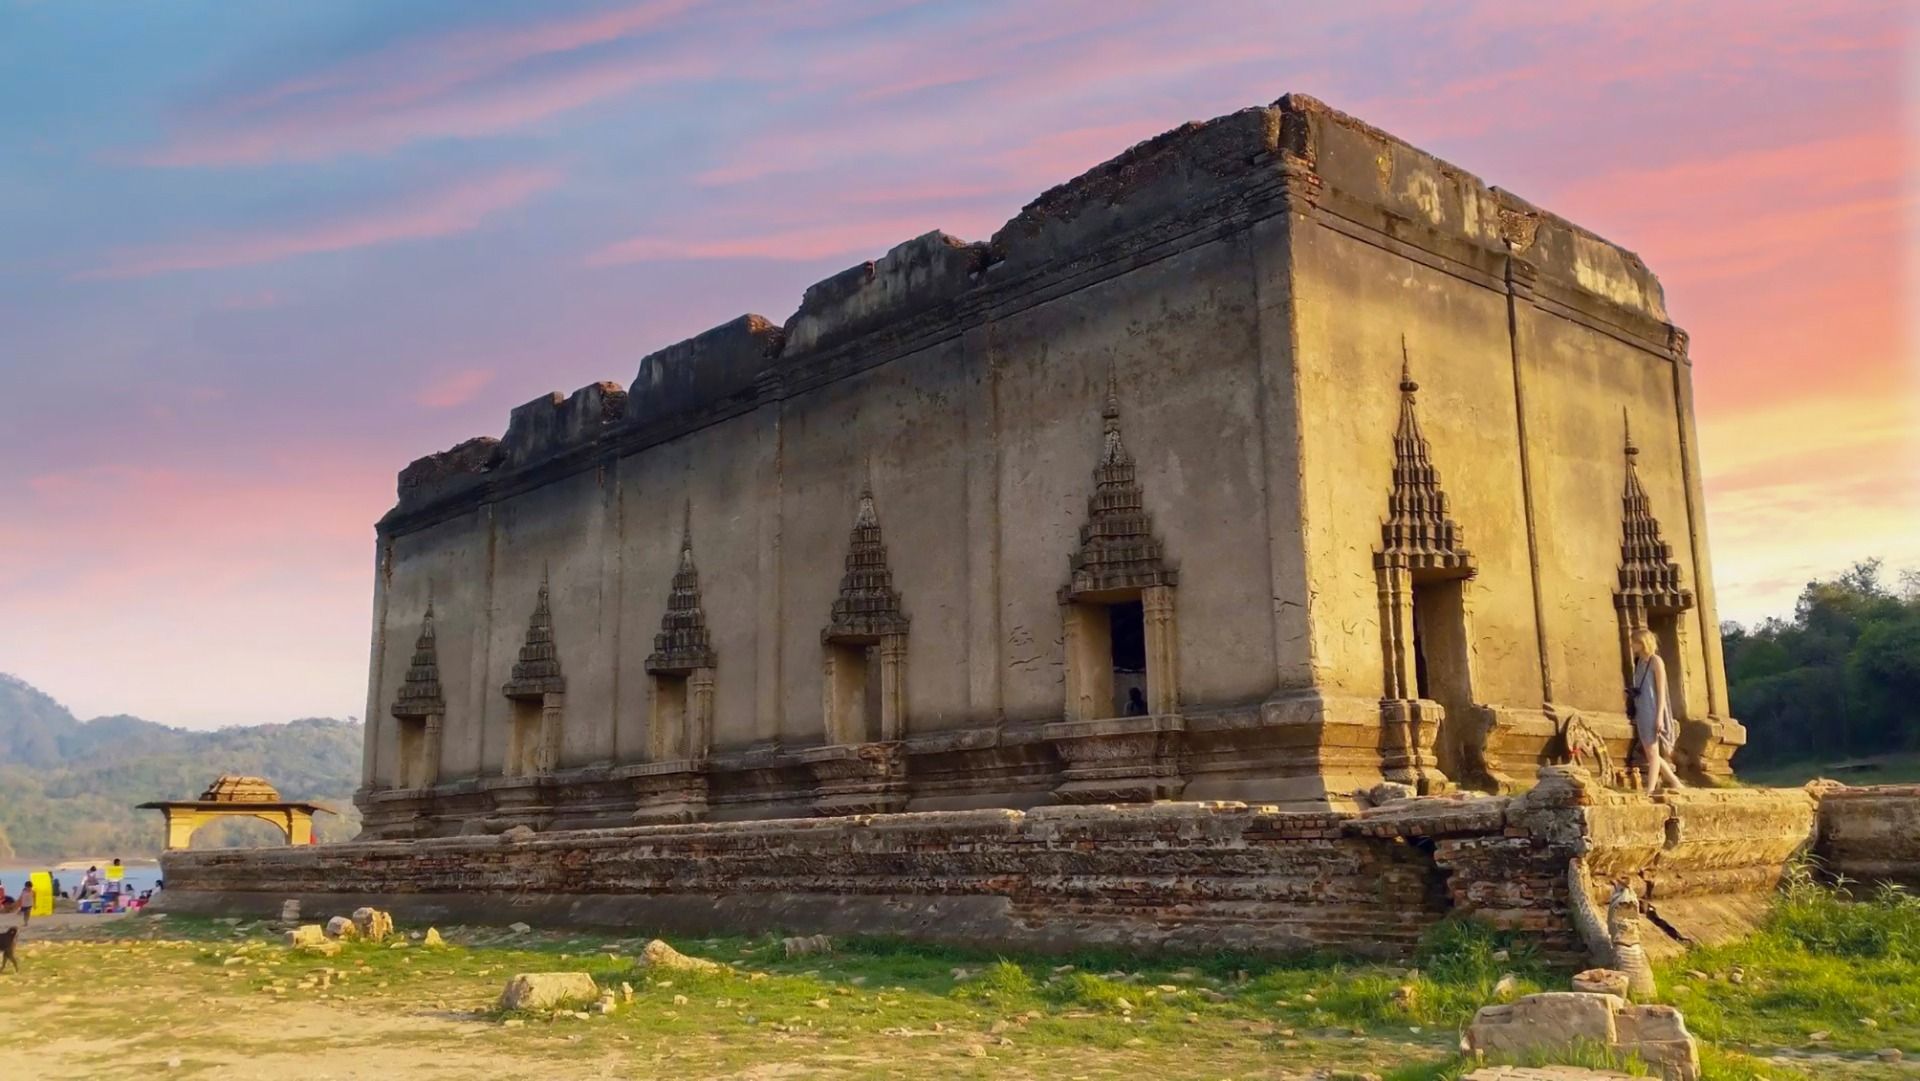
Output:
x=1901 y=768
x=1826 y=962
x=880 y=1008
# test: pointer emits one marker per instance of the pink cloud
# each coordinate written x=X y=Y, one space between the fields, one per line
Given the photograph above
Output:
x=1054 y=158
x=118 y=561
x=454 y=388
x=1035 y=69
x=867 y=238
x=464 y=83
x=458 y=208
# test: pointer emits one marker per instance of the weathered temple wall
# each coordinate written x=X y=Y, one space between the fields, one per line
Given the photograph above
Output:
x=903 y=425
x=1358 y=303
x=1181 y=342
x=1534 y=344
x=1246 y=287
x=1018 y=402
x=448 y=564
x=716 y=475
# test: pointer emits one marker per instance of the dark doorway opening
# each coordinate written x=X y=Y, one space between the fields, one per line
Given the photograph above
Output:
x=1127 y=638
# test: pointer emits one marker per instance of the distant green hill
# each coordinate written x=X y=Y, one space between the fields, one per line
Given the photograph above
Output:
x=68 y=787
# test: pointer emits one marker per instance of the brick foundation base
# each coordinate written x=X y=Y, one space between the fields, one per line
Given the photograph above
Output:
x=1182 y=876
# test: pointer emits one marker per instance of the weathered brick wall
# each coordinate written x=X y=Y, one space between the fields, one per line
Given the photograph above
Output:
x=1871 y=835
x=1186 y=875
x=1195 y=876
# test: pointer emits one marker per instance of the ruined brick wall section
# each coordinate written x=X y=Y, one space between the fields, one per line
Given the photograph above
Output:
x=1187 y=875
x=1870 y=835
x=1191 y=876
x=1705 y=861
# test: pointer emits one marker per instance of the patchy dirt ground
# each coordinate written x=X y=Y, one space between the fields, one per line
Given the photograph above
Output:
x=222 y=999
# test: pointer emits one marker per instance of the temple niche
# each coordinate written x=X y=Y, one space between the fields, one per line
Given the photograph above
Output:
x=421 y=712
x=1117 y=606
x=1651 y=595
x=537 y=696
x=1175 y=375
x=680 y=721
x=864 y=644
x=1424 y=574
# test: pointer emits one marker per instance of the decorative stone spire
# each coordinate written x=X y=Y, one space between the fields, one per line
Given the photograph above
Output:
x=868 y=606
x=420 y=695
x=538 y=670
x=682 y=644
x=1118 y=549
x=1419 y=534
x=1649 y=578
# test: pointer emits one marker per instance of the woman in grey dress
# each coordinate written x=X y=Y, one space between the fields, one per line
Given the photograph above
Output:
x=1653 y=722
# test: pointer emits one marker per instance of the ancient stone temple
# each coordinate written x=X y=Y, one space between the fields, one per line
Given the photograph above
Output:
x=1272 y=460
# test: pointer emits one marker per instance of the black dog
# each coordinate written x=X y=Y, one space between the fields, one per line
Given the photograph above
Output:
x=6 y=949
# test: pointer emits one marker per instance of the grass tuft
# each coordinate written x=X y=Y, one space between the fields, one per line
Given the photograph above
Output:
x=1460 y=965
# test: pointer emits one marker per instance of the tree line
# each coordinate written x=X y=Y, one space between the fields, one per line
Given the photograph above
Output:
x=1839 y=679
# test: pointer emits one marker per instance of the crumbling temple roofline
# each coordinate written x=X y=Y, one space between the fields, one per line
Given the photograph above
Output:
x=1184 y=187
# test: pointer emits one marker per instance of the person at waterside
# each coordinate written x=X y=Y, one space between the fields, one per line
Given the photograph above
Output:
x=90 y=884
x=26 y=902
x=1654 y=726
x=116 y=879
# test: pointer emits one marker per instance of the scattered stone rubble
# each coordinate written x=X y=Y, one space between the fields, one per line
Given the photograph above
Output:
x=1603 y=981
x=312 y=938
x=373 y=924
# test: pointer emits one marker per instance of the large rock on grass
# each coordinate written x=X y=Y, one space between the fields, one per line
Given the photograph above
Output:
x=548 y=990
x=659 y=955
x=1558 y=1021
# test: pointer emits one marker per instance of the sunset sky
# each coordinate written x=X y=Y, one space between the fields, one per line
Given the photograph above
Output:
x=256 y=257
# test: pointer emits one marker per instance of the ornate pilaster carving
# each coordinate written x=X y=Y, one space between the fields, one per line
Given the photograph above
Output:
x=1162 y=641
x=1118 y=759
x=865 y=778
x=892 y=654
x=668 y=792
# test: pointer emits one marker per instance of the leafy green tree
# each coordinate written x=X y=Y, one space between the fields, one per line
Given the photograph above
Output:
x=1842 y=677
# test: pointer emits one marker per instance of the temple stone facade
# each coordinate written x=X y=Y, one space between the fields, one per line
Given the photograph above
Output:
x=1272 y=460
